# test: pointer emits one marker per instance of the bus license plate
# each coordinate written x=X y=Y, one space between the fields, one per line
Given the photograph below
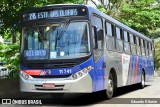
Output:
x=48 y=85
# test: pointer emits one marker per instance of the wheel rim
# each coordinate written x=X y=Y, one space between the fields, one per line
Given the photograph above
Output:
x=143 y=82
x=110 y=86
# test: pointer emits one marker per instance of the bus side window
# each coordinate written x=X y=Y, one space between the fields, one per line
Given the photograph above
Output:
x=110 y=39
x=144 y=50
x=150 y=49
x=97 y=21
x=138 y=46
x=97 y=28
x=127 y=49
x=142 y=47
x=109 y=29
x=147 y=48
x=133 y=43
x=99 y=40
x=119 y=42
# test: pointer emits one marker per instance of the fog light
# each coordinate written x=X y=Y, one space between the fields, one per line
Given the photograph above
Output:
x=85 y=70
x=74 y=76
x=79 y=73
x=88 y=68
x=26 y=77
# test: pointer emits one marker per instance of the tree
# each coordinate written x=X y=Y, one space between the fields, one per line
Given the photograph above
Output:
x=10 y=10
x=141 y=15
x=10 y=14
x=157 y=54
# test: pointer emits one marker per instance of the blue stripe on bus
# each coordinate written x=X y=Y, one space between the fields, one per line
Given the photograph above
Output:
x=143 y=62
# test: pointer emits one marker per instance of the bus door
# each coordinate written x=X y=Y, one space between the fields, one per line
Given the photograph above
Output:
x=98 y=59
x=99 y=71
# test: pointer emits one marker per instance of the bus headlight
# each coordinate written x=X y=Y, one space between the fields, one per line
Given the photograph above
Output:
x=81 y=72
x=24 y=75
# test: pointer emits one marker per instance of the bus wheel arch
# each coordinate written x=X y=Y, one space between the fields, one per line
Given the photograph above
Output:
x=113 y=72
x=112 y=84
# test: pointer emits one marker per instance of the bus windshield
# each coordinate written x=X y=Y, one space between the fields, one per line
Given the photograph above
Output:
x=56 y=41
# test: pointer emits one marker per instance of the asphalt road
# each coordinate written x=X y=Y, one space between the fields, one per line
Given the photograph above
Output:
x=129 y=96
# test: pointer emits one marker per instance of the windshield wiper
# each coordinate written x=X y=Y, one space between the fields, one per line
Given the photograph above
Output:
x=63 y=29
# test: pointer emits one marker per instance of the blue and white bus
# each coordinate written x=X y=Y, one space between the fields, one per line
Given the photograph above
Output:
x=78 y=49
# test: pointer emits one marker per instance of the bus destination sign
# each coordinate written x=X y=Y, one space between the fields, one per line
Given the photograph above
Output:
x=54 y=13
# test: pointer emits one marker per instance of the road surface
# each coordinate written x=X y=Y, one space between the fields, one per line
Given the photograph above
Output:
x=128 y=95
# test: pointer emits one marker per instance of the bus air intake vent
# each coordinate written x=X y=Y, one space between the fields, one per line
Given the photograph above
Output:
x=51 y=65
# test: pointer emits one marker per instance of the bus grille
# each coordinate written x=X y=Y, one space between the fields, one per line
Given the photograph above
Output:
x=56 y=88
x=51 y=65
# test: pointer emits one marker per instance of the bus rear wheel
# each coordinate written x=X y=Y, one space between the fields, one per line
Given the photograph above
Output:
x=142 y=83
x=110 y=90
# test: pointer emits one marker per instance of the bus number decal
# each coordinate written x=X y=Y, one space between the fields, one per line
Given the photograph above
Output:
x=65 y=71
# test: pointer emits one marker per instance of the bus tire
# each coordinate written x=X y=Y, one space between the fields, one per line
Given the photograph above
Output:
x=57 y=95
x=142 y=83
x=110 y=90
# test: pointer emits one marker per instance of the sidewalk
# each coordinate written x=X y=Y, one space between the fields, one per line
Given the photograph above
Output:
x=157 y=73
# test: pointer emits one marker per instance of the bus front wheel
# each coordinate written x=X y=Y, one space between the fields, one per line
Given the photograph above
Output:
x=110 y=89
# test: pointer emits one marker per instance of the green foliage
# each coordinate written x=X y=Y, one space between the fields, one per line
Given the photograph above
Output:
x=9 y=54
x=10 y=10
x=141 y=15
x=157 y=54
x=10 y=14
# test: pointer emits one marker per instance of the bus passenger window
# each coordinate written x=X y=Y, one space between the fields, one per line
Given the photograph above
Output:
x=143 y=47
x=127 y=49
x=147 y=48
x=118 y=35
x=119 y=42
x=131 y=39
x=109 y=29
x=97 y=22
x=133 y=44
x=110 y=39
x=150 y=49
x=138 y=46
x=125 y=36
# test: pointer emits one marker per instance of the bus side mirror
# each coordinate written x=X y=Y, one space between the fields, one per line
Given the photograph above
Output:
x=95 y=38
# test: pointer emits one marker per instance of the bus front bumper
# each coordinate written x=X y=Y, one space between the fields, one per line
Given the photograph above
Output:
x=62 y=85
